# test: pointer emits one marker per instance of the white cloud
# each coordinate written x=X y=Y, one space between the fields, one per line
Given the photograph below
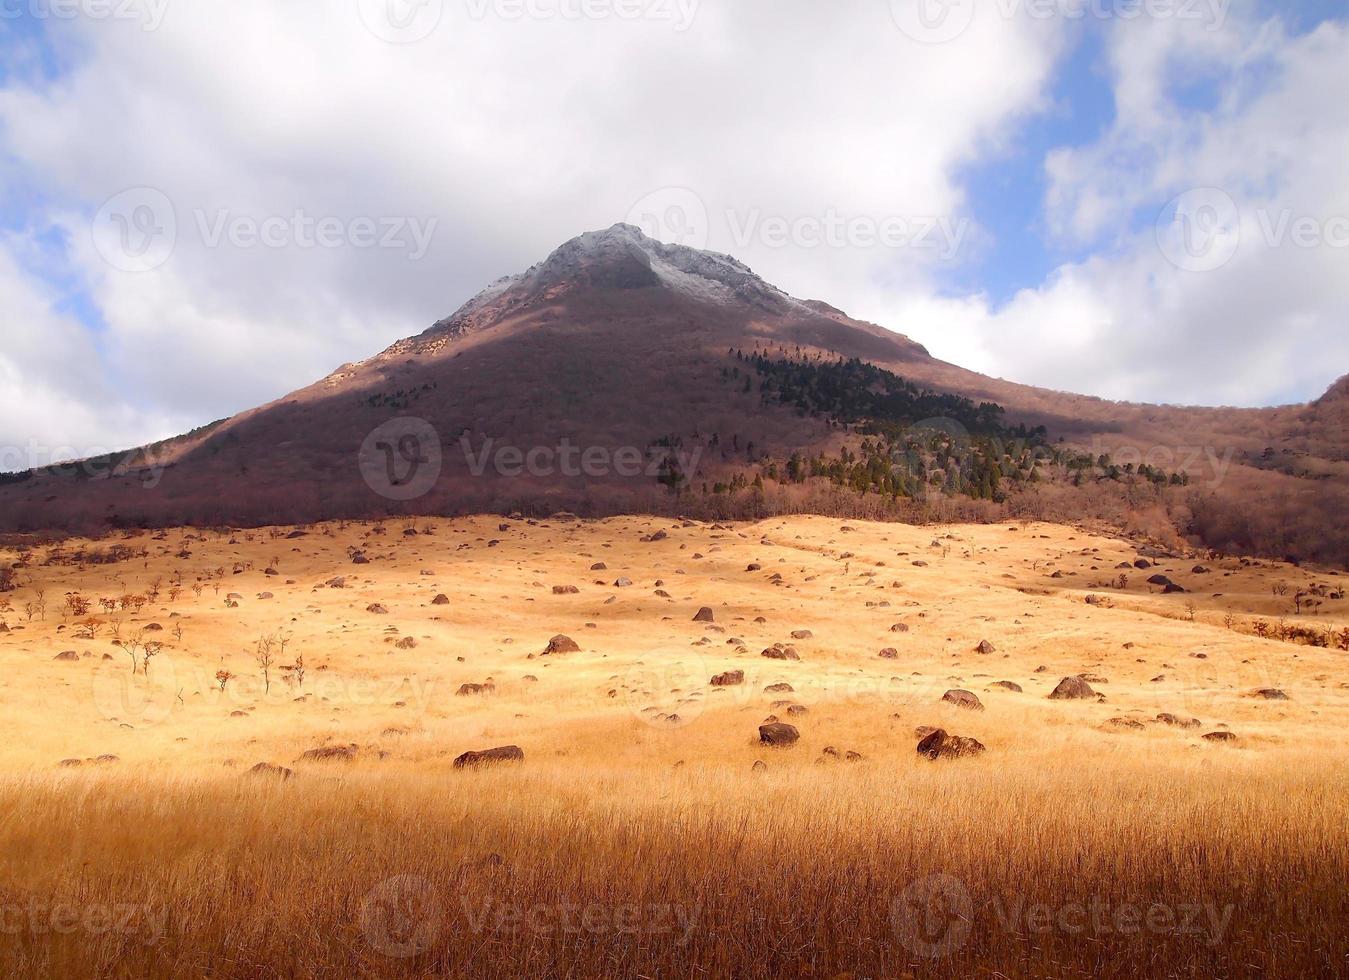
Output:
x=1266 y=324
x=55 y=404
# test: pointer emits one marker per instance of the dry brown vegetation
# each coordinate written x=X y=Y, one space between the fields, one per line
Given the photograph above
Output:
x=1089 y=839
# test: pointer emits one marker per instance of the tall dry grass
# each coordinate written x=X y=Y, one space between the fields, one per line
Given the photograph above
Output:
x=1230 y=868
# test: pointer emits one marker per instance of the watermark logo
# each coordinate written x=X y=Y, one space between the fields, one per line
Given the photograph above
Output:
x=299 y=229
x=136 y=230
x=932 y=917
x=940 y=21
x=404 y=917
x=136 y=696
x=932 y=21
x=660 y=694
x=401 y=917
x=401 y=21
x=402 y=459
x=1200 y=230
x=678 y=13
x=676 y=215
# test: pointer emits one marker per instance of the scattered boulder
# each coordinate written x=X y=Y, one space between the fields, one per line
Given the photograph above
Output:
x=1219 y=737
x=377 y=609
x=267 y=769
x=985 y=647
x=889 y=653
x=561 y=644
x=779 y=688
x=466 y=690
x=780 y=652
x=67 y=655
x=778 y=734
x=565 y=590
x=939 y=745
x=1007 y=686
x=728 y=678
x=1071 y=688
x=802 y=634
x=331 y=753
x=1270 y=694
x=704 y=615
x=1176 y=721
x=441 y=600
x=963 y=699
x=504 y=753
x=1132 y=724
x=599 y=566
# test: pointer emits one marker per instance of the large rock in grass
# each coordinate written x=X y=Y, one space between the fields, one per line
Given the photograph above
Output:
x=489 y=757
x=1072 y=688
x=704 y=615
x=728 y=678
x=561 y=644
x=778 y=734
x=963 y=699
x=267 y=769
x=940 y=745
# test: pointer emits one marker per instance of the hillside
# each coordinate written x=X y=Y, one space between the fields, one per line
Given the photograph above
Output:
x=625 y=375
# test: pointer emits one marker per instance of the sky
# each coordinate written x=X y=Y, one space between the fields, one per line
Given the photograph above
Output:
x=206 y=205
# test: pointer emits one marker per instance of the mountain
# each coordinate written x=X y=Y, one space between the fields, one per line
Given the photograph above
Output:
x=624 y=374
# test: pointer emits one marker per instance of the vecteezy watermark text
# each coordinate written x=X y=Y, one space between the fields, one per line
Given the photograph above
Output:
x=403 y=459
x=39 y=918
x=939 y=21
x=569 y=459
x=404 y=916
x=137 y=230
x=409 y=21
x=936 y=916
x=680 y=216
x=150 y=13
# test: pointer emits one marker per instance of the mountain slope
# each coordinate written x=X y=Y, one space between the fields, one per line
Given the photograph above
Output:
x=618 y=369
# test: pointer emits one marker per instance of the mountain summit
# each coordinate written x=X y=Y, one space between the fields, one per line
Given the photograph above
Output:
x=622 y=257
x=626 y=374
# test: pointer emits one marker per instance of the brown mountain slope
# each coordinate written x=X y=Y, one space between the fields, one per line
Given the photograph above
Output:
x=569 y=385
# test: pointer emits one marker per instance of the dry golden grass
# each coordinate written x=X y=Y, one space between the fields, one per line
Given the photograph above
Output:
x=630 y=846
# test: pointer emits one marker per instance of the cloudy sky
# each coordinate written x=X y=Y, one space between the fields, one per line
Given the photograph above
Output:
x=204 y=205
